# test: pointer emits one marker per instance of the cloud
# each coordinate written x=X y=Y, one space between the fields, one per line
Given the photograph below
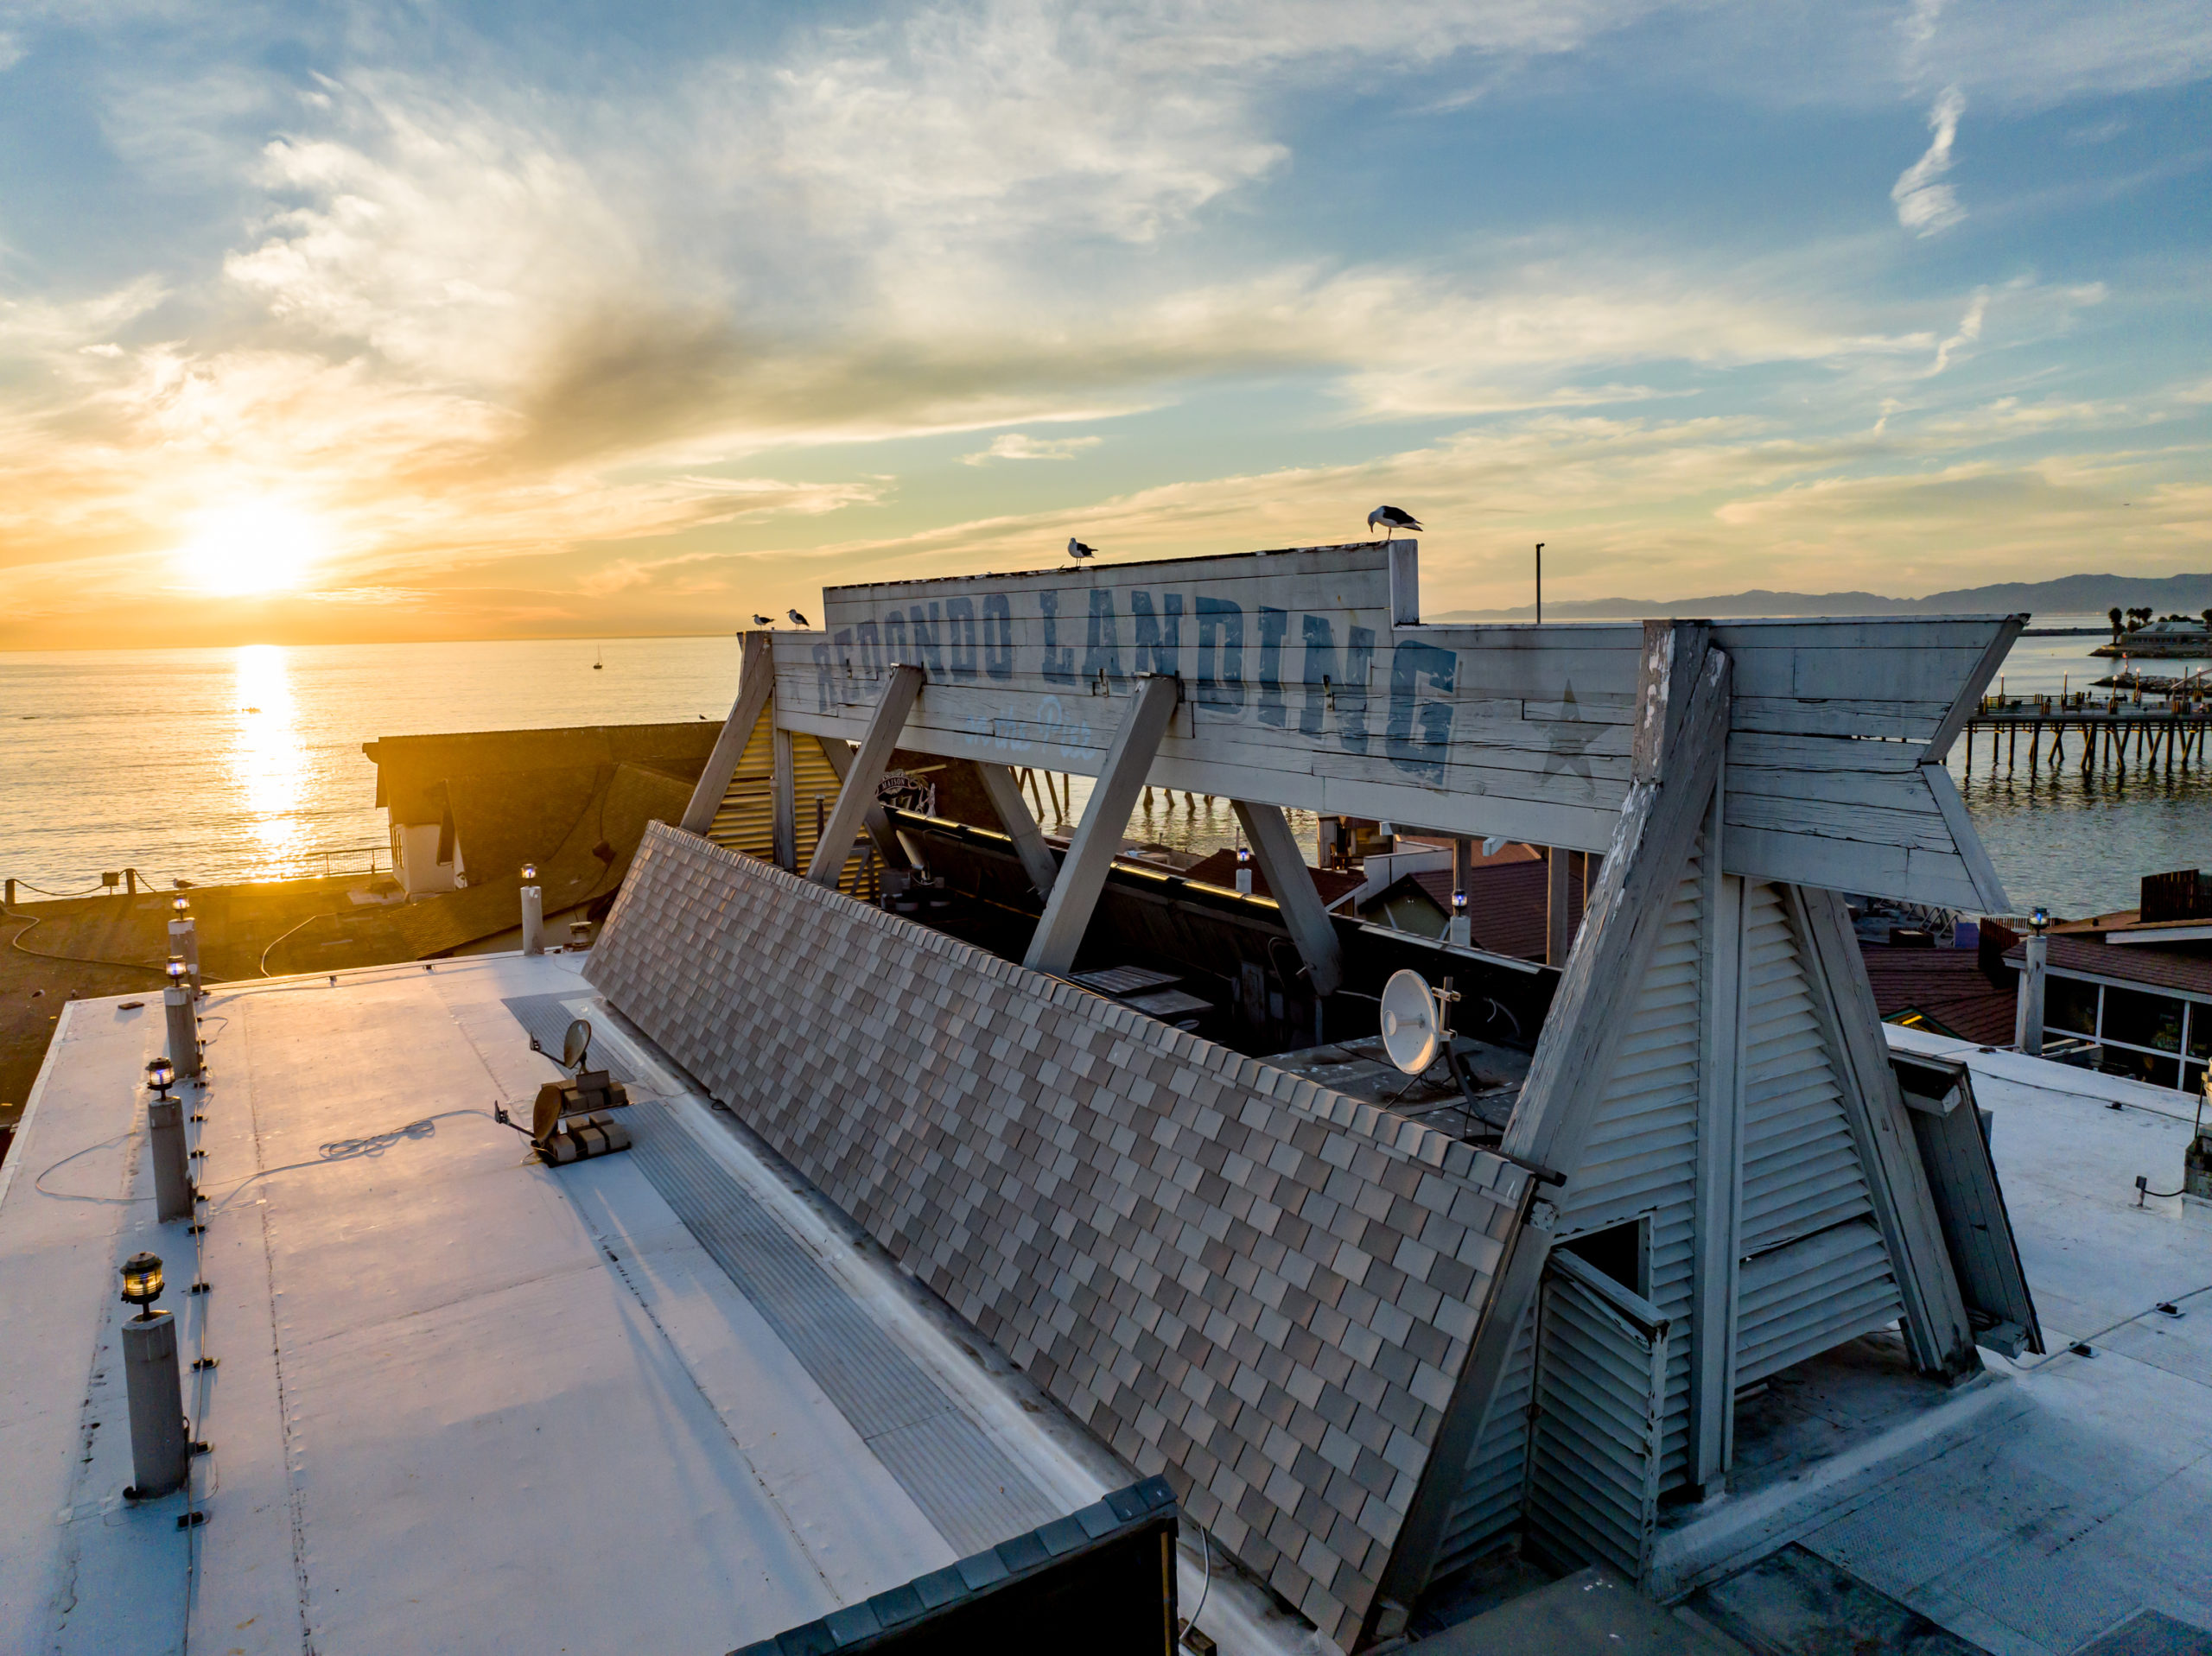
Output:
x=1925 y=205
x=1968 y=330
x=1018 y=445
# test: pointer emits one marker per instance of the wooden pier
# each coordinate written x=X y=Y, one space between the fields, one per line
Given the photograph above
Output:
x=2113 y=732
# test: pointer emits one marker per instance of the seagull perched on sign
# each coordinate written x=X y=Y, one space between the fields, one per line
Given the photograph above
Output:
x=797 y=620
x=1078 y=549
x=764 y=620
x=1390 y=517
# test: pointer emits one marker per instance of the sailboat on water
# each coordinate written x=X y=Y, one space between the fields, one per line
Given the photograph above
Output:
x=597 y=665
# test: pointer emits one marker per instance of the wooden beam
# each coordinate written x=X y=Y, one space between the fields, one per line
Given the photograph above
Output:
x=1274 y=848
x=1718 y=1191
x=889 y=845
x=1970 y=694
x=1559 y=929
x=1037 y=859
x=1936 y=1330
x=1681 y=738
x=1682 y=727
x=1098 y=836
x=783 y=801
x=1982 y=871
x=901 y=684
x=756 y=685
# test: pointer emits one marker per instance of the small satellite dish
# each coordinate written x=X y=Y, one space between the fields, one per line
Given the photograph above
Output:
x=1410 y=1023
x=575 y=1046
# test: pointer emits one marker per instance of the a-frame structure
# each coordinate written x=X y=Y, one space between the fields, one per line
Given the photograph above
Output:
x=1727 y=1174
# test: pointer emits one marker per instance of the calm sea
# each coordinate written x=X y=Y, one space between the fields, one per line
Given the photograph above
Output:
x=236 y=765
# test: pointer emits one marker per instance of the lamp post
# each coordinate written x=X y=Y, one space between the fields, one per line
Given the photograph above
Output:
x=1462 y=928
x=2027 y=1028
x=183 y=1025
x=184 y=938
x=165 y=1143
x=533 y=912
x=160 y=1453
x=1540 y=583
x=1244 y=869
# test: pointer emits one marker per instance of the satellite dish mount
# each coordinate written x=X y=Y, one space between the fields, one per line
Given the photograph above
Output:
x=1417 y=1031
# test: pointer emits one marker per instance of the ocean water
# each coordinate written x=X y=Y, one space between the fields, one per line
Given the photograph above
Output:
x=240 y=764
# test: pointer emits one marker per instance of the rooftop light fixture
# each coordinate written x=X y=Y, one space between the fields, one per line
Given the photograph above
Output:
x=159 y=1072
x=2039 y=918
x=183 y=905
x=142 y=1282
x=1458 y=905
x=530 y=873
x=177 y=968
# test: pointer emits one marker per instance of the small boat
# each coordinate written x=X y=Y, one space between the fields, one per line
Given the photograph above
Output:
x=597 y=665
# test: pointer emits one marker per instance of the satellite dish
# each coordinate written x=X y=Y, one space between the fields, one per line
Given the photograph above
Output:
x=1410 y=1024
x=575 y=1046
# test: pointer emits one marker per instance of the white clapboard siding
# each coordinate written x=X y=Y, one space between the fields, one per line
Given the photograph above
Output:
x=1519 y=731
x=1594 y=1446
x=1488 y=1506
x=1801 y=1174
x=1798 y=1300
x=1642 y=1154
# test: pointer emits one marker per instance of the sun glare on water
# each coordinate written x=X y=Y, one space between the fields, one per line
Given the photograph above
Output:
x=260 y=546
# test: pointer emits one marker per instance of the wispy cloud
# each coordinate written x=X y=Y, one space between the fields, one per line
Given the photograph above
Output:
x=1925 y=204
x=1019 y=446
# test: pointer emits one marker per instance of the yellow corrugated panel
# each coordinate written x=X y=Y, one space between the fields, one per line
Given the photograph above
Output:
x=745 y=821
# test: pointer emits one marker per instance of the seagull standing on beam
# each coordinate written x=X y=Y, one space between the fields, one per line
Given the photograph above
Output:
x=764 y=621
x=797 y=619
x=1391 y=517
x=1078 y=549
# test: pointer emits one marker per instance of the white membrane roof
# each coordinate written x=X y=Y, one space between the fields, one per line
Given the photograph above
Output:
x=463 y=1400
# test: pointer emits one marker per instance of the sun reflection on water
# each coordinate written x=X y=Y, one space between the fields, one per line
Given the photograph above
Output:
x=268 y=761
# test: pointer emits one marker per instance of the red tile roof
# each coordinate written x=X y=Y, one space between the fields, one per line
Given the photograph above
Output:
x=1220 y=869
x=2144 y=963
x=1947 y=986
x=1506 y=904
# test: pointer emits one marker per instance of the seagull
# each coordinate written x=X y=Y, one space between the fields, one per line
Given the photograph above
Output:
x=796 y=619
x=1078 y=549
x=764 y=620
x=1391 y=517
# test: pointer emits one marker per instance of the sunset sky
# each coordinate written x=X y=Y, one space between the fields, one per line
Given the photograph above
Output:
x=366 y=321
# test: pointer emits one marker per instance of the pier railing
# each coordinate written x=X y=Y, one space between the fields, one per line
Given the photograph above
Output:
x=2118 y=729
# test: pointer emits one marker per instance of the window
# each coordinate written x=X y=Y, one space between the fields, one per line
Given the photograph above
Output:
x=1619 y=1250
x=2137 y=1019
x=2200 y=1029
x=2140 y=1066
x=2069 y=1005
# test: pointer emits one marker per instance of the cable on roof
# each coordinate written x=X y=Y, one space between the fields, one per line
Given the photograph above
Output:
x=15 y=942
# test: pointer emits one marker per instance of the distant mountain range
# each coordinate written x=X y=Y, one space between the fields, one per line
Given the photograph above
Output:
x=2068 y=595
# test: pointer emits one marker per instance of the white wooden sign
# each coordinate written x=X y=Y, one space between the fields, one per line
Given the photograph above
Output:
x=1307 y=681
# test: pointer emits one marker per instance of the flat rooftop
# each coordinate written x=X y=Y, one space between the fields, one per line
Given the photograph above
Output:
x=659 y=1401
x=669 y=1400
x=2037 y=1509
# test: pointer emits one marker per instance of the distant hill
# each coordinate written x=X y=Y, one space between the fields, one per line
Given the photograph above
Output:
x=2068 y=595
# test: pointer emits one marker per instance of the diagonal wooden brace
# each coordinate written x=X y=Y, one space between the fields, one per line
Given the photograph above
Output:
x=900 y=685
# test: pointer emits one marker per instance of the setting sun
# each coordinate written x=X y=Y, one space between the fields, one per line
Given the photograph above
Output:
x=261 y=546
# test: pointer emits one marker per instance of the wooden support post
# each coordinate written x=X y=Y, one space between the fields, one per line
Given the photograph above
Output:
x=857 y=792
x=782 y=802
x=1719 y=1189
x=1936 y=1330
x=1559 y=929
x=1037 y=861
x=1682 y=730
x=756 y=686
x=839 y=756
x=1098 y=836
x=1290 y=882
